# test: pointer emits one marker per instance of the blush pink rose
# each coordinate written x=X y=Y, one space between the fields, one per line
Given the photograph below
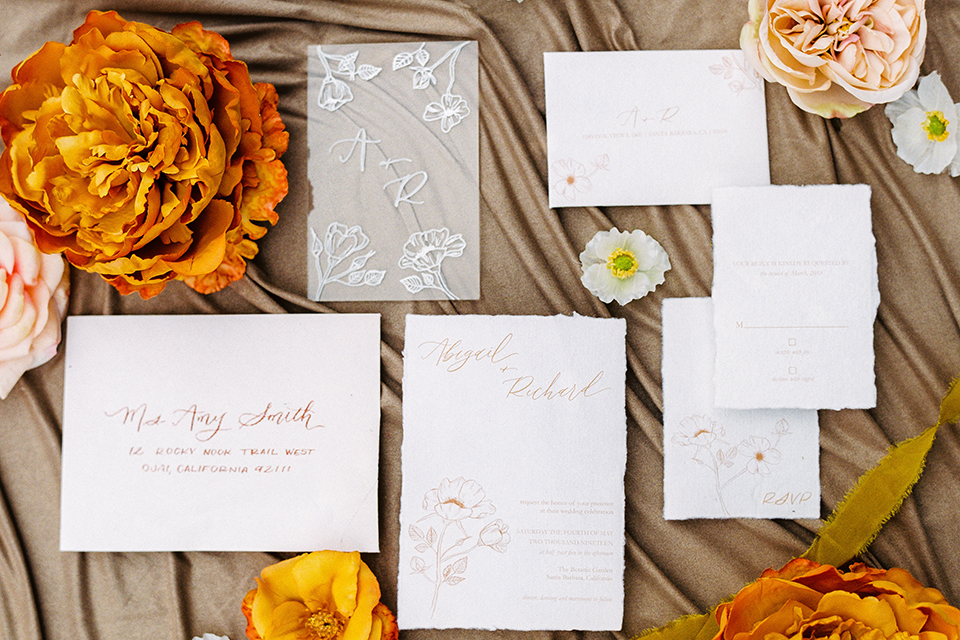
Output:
x=837 y=57
x=33 y=291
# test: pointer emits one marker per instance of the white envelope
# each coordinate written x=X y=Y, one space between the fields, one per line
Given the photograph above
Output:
x=728 y=463
x=652 y=127
x=514 y=451
x=795 y=295
x=221 y=433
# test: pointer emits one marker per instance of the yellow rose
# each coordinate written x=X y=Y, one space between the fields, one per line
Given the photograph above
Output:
x=806 y=600
x=142 y=155
x=837 y=57
x=324 y=595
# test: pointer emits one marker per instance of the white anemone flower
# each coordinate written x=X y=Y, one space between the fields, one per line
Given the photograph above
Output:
x=925 y=125
x=623 y=265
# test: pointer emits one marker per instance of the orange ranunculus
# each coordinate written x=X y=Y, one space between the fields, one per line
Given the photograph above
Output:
x=809 y=600
x=324 y=595
x=142 y=155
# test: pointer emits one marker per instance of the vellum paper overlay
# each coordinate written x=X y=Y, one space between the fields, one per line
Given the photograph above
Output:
x=221 y=433
x=514 y=452
x=393 y=132
x=727 y=463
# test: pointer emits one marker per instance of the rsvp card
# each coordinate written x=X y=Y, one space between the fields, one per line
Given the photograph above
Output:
x=514 y=453
x=727 y=463
x=652 y=127
x=393 y=132
x=221 y=433
x=795 y=295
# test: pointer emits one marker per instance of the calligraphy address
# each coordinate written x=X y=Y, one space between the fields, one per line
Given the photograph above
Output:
x=205 y=424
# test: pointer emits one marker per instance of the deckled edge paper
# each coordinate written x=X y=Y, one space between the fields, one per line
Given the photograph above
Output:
x=756 y=364
x=727 y=463
x=479 y=447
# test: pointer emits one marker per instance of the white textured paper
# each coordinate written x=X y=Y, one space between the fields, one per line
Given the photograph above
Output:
x=727 y=463
x=652 y=127
x=795 y=295
x=514 y=452
x=221 y=433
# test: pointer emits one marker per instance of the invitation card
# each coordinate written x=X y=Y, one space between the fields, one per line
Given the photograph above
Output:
x=652 y=127
x=728 y=463
x=221 y=433
x=795 y=295
x=393 y=132
x=514 y=453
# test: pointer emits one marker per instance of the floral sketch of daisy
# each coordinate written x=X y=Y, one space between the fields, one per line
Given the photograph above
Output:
x=460 y=510
x=755 y=455
x=573 y=176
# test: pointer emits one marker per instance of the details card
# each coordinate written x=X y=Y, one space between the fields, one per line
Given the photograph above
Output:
x=795 y=295
x=393 y=132
x=652 y=127
x=221 y=433
x=514 y=453
x=727 y=463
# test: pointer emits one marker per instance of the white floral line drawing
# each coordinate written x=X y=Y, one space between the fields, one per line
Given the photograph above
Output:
x=339 y=243
x=456 y=503
x=701 y=432
x=334 y=92
x=452 y=108
x=425 y=251
x=574 y=178
x=734 y=65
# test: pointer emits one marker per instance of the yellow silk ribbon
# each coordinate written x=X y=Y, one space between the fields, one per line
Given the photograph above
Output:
x=855 y=522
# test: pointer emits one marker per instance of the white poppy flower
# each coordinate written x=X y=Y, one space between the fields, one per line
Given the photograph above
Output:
x=925 y=127
x=623 y=265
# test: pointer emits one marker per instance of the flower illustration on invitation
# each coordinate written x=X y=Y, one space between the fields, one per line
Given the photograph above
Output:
x=424 y=252
x=334 y=92
x=754 y=456
x=463 y=511
x=742 y=76
x=339 y=243
x=573 y=176
x=452 y=108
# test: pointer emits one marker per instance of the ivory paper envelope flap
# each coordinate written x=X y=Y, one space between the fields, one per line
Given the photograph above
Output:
x=652 y=127
x=727 y=463
x=514 y=451
x=795 y=295
x=221 y=433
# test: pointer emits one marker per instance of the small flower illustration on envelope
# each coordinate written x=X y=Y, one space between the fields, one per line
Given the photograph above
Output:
x=573 y=176
x=461 y=506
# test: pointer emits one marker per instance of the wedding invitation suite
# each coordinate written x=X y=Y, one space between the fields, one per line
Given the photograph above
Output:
x=652 y=127
x=795 y=295
x=393 y=132
x=221 y=433
x=728 y=463
x=514 y=453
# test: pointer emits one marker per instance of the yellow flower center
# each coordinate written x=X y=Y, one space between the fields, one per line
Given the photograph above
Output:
x=622 y=263
x=936 y=126
x=325 y=626
x=759 y=456
x=571 y=179
x=453 y=501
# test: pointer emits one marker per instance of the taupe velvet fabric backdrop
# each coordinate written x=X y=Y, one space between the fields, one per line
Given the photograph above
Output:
x=529 y=266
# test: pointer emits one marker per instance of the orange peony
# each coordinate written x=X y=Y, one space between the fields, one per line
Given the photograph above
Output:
x=324 y=595
x=809 y=600
x=142 y=155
